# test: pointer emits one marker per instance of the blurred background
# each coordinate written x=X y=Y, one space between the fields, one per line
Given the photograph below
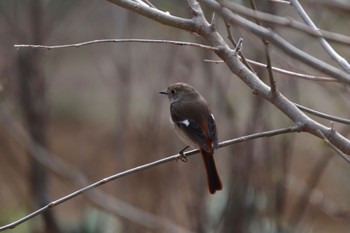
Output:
x=70 y=117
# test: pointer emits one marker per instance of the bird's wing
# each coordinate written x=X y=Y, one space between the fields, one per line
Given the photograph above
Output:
x=193 y=125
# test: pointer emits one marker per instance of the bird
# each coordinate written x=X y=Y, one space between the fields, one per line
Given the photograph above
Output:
x=195 y=125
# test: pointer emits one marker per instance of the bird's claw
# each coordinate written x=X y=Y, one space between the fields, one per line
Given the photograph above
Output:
x=182 y=156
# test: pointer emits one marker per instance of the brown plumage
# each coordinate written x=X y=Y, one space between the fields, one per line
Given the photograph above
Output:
x=195 y=125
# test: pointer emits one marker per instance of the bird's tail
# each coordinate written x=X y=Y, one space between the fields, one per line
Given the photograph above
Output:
x=214 y=182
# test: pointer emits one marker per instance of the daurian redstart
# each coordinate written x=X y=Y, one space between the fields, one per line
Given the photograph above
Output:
x=195 y=125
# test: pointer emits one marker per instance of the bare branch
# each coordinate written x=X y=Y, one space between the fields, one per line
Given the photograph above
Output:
x=271 y=133
x=336 y=149
x=281 y=1
x=212 y=22
x=334 y=55
x=283 y=71
x=268 y=57
x=76 y=45
x=238 y=48
x=274 y=90
x=270 y=19
x=323 y=115
x=278 y=41
x=97 y=197
x=201 y=27
x=141 y=168
x=157 y=15
x=234 y=43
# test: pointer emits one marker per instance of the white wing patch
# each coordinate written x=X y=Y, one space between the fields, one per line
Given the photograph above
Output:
x=185 y=122
x=212 y=116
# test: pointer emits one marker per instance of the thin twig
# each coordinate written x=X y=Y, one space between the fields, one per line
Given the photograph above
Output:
x=76 y=45
x=144 y=167
x=212 y=22
x=296 y=128
x=234 y=43
x=97 y=197
x=336 y=149
x=269 y=68
x=267 y=55
x=238 y=48
x=284 y=21
x=87 y=188
x=198 y=24
x=281 y=1
x=277 y=40
x=283 y=71
x=323 y=115
x=333 y=54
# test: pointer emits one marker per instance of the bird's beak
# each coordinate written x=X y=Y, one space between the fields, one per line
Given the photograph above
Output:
x=163 y=92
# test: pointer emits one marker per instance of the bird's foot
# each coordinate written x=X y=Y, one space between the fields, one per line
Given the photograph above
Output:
x=182 y=156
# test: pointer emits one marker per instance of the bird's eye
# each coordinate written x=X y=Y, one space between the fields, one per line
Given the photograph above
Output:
x=172 y=92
